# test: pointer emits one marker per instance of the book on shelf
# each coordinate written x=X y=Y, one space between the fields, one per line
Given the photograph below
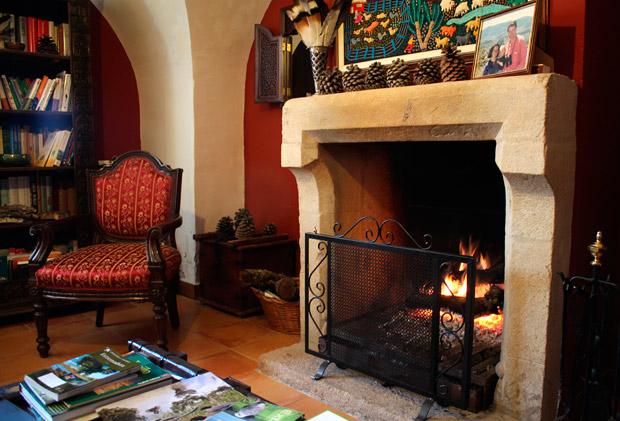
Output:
x=17 y=92
x=34 y=88
x=57 y=95
x=65 y=104
x=4 y=102
x=81 y=374
x=8 y=93
x=47 y=93
x=37 y=97
x=149 y=377
x=7 y=28
x=203 y=395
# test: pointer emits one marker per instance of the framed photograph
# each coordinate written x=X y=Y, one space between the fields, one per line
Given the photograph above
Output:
x=413 y=30
x=506 y=42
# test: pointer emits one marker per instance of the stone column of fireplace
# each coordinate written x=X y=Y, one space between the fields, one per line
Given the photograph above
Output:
x=532 y=119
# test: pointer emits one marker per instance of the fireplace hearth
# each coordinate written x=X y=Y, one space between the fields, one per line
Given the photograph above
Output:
x=531 y=119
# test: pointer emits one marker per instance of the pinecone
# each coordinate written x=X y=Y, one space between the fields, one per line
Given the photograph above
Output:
x=46 y=44
x=452 y=66
x=245 y=229
x=331 y=82
x=353 y=79
x=428 y=72
x=398 y=74
x=270 y=229
x=240 y=215
x=376 y=76
x=225 y=227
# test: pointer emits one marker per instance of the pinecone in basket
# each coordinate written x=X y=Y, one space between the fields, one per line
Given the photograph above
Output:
x=225 y=227
x=46 y=44
x=398 y=74
x=331 y=82
x=452 y=66
x=428 y=72
x=270 y=229
x=376 y=76
x=245 y=229
x=240 y=215
x=353 y=79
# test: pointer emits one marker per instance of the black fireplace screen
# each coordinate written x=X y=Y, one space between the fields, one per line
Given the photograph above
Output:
x=377 y=308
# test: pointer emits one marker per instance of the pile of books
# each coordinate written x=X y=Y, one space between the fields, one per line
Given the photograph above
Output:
x=77 y=387
x=110 y=386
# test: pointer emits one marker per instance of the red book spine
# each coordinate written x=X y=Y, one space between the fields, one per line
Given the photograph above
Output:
x=31 y=25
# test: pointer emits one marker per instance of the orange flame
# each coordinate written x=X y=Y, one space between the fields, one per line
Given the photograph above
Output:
x=458 y=287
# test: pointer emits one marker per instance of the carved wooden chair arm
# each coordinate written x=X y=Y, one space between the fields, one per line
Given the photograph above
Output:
x=45 y=238
x=155 y=235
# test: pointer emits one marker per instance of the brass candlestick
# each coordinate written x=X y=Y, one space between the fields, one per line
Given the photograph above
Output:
x=596 y=249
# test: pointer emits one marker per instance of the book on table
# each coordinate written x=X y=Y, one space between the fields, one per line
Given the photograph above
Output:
x=81 y=374
x=200 y=396
x=253 y=408
x=149 y=377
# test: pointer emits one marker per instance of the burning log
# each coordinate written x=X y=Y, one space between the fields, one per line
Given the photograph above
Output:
x=492 y=302
x=493 y=275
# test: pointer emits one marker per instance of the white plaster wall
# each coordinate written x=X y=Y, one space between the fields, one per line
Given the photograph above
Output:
x=190 y=70
x=222 y=32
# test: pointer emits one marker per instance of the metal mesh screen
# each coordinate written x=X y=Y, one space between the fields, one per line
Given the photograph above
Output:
x=381 y=309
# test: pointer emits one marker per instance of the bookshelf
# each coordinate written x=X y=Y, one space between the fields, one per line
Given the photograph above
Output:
x=79 y=119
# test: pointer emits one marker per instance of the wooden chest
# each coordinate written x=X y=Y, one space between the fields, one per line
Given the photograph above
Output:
x=221 y=261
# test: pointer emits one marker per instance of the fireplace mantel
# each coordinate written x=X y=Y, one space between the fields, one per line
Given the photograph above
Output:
x=532 y=120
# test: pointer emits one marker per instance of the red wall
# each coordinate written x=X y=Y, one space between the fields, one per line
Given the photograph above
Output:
x=270 y=190
x=116 y=109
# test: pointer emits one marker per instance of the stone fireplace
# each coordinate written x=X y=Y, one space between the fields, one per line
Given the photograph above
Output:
x=531 y=118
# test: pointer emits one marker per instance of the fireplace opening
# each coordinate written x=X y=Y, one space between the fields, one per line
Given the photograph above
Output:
x=455 y=192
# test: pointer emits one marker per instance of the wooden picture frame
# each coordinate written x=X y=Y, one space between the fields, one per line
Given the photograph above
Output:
x=454 y=21
x=506 y=42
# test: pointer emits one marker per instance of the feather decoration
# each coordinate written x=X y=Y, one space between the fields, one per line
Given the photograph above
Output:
x=306 y=17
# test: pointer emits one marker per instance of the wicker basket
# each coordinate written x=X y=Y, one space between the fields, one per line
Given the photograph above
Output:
x=282 y=316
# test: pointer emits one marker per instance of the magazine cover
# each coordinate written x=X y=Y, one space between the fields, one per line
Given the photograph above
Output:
x=193 y=398
x=252 y=408
x=80 y=374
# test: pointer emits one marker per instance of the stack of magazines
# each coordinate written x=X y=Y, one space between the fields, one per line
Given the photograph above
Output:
x=75 y=388
x=111 y=386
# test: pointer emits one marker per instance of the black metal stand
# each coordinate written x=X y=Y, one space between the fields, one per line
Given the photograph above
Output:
x=426 y=408
x=593 y=389
x=321 y=370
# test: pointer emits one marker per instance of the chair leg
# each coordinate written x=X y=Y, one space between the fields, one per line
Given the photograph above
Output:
x=100 y=310
x=40 y=320
x=173 y=311
x=159 y=308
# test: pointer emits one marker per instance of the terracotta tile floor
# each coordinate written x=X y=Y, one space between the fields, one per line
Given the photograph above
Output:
x=217 y=341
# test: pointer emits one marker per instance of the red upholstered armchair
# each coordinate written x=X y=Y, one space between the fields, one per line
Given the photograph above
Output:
x=134 y=205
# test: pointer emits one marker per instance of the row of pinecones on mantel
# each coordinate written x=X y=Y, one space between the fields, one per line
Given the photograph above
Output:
x=451 y=68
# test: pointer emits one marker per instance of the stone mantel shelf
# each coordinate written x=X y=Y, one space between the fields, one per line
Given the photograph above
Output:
x=532 y=120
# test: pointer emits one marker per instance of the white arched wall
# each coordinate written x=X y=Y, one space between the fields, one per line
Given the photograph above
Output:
x=190 y=60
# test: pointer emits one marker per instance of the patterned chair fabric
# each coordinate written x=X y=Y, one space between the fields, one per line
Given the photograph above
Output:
x=118 y=266
x=132 y=199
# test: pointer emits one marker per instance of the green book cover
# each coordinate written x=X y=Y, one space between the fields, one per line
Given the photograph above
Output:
x=252 y=408
x=81 y=374
x=149 y=373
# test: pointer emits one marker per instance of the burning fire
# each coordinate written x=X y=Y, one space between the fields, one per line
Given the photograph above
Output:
x=458 y=286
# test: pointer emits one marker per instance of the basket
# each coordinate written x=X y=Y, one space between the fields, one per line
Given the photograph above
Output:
x=282 y=316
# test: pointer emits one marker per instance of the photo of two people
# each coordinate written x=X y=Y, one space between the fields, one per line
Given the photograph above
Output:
x=506 y=41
